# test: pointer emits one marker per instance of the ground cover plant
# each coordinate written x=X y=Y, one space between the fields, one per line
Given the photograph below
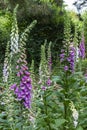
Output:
x=43 y=100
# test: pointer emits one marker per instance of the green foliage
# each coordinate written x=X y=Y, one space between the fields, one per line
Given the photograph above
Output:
x=32 y=71
x=67 y=30
x=5 y=25
x=84 y=65
x=53 y=103
x=85 y=28
x=49 y=18
x=17 y=117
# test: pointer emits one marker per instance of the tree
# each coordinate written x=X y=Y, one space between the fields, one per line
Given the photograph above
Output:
x=80 y=4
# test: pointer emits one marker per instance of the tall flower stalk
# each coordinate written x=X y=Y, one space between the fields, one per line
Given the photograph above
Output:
x=19 y=77
x=43 y=73
x=33 y=111
x=6 y=65
x=81 y=52
x=45 y=82
x=82 y=49
x=49 y=60
x=32 y=71
x=75 y=40
x=23 y=88
x=14 y=34
x=67 y=59
x=75 y=114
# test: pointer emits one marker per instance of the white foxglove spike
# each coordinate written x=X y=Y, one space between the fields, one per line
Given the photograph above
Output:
x=5 y=72
x=6 y=65
x=75 y=114
x=75 y=123
x=14 y=36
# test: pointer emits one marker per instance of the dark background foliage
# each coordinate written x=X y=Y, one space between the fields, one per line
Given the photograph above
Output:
x=50 y=25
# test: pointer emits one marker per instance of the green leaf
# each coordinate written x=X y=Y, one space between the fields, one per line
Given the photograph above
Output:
x=79 y=128
x=59 y=122
x=56 y=78
x=18 y=125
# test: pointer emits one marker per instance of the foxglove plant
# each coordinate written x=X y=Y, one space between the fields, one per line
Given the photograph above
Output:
x=75 y=114
x=6 y=65
x=67 y=56
x=75 y=40
x=43 y=73
x=67 y=31
x=45 y=86
x=68 y=60
x=23 y=90
x=34 y=84
x=14 y=34
x=82 y=49
x=67 y=81
x=34 y=95
x=49 y=59
x=71 y=58
x=24 y=80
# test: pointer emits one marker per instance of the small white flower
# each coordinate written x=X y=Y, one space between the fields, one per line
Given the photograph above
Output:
x=75 y=114
x=75 y=123
x=2 y=103
x=5 y=72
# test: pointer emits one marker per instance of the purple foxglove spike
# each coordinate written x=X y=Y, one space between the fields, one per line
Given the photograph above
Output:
x=23 y=92
x=13 y=86
x=16 y=90
x=29 y=79
x=22 y=87
x=26 y=105
x=24 y=78
x=62 y=56
x=27 y=73
x=48 y=82
x=24 y=67
x=18 y=74
x=17 y=67
x=68 y=59
x=25 y=82
x=82 y=49
x=29 y=86
x=62 y=50
x=21 y=72
x=66 y=68
x=43 y=88
x=24 y=62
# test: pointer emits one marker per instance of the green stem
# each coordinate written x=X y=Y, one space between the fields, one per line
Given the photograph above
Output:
x=65 y=114
x=65 y=104
x=21 y=111
x=46 y=112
